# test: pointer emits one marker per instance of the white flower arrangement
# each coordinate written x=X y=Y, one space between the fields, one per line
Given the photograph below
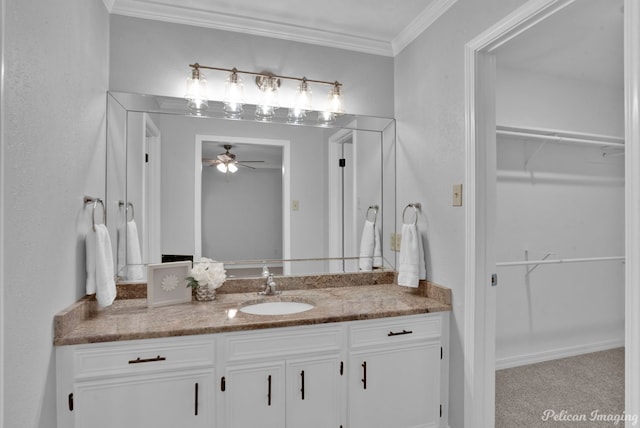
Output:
x=207 y=273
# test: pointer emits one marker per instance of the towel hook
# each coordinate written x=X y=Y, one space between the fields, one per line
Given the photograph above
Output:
x=375 y=213
x=129 y=205
x=416 y=206
x=95 y=202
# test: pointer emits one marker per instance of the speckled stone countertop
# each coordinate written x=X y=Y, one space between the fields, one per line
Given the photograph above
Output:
x=335 y=297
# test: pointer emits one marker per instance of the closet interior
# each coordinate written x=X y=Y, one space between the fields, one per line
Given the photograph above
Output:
x=560 y=187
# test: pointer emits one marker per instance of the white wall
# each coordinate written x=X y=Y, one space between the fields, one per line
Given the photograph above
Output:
x=153 y=58
x=242 y=214
x=55 y=78
x=429 y=100
x=569 y=201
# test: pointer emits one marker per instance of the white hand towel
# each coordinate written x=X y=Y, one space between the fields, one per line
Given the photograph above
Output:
x=134 y=258
x=377 y=247
x=367 y=246
x=90 y=250
x=412 y=265
x=100 y=265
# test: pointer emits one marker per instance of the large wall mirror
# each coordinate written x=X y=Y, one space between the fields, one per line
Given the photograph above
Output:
x=290 y=197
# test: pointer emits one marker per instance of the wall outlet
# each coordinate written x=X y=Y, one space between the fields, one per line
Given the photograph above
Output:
x=396 y=238
x=295 y=205
x=457 y=195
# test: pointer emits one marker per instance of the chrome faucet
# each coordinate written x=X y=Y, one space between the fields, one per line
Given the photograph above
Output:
x=269 y=287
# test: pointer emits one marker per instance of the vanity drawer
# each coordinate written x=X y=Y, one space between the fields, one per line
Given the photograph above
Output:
x=389 y=331
x=141 y=356
x=283 y=342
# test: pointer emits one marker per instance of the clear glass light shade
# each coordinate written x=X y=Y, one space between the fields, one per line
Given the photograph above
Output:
x=269 y=101
x=301 y=103
x=232 y=167
x=197 y=93
x=224 y=167
x=233 y=96
x=335 y=100
x=221 y=167
x=325 y=117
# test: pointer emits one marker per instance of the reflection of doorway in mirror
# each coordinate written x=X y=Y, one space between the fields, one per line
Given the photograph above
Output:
x=151 y=230
x=243 y=215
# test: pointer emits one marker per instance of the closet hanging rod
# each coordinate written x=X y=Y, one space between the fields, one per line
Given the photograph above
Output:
x=558 y=261
x=598 y=140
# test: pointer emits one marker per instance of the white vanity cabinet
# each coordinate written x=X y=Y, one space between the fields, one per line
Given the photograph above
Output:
x=394 y=380
x=290 y=377
x=380 y=373
x=132 y=384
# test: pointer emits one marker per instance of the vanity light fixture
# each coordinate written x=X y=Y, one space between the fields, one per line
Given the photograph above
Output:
x=268 y=85
x=197 y=91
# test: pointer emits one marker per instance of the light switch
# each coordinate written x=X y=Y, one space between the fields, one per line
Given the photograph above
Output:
x=457 y=195
x=395 y=241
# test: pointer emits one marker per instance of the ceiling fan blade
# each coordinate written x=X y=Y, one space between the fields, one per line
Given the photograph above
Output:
x=244 y=161
x=211 y=161
x=246 y=166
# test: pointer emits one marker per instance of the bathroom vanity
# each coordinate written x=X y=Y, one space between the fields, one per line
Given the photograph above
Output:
x=367 y=355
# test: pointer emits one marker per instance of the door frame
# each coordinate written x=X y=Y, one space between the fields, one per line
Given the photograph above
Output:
x=480 y=296
x=286 y=189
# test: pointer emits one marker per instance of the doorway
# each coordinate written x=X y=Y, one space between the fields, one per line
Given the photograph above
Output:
x=480 y=295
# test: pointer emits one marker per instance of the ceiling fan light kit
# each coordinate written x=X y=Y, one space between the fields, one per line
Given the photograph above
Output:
x=226 y=162
x=269 y=86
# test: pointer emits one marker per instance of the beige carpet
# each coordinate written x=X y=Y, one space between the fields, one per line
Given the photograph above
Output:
x=566 y=392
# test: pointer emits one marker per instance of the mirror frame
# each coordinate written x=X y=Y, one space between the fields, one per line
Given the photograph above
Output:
x=159 y=104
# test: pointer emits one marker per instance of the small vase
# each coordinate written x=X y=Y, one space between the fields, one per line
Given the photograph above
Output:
x=205 y=294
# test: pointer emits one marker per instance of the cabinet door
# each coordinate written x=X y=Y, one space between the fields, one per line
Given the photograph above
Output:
x=254 y=396
x=314 y=395
x=177 y=400
x=397 y=387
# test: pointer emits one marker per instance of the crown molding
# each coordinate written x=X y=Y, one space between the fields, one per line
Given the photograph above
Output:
x=423 y=21
x=109 y=4
x=228 y=22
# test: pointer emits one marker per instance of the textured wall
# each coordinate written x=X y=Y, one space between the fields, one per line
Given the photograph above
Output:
x=429 y=93
x=56 y=76
x=152 y=58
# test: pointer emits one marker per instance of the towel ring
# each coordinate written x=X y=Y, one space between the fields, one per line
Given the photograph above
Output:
x=95 y=202
x=416 y=206
x=375 y=213
x=129 y=205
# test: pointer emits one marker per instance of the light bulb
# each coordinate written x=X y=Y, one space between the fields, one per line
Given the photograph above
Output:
x=268 y=99
x=233 y=95
x=197 y=93
x=222 y=167
x=301 y=103
x=335 y=100
x=325 y=117
x=232 y=167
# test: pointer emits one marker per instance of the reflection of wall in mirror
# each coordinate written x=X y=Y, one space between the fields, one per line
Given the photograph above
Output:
x=307 y=159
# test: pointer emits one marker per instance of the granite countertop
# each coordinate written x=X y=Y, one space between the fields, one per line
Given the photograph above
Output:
x=130 y=318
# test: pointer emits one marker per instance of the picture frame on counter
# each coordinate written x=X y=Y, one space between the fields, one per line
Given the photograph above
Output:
x=167 y=283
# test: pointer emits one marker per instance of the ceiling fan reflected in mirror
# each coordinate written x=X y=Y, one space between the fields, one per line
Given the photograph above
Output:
x=226 y=162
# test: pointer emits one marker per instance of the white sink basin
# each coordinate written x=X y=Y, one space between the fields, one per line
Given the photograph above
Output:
x=276 y=308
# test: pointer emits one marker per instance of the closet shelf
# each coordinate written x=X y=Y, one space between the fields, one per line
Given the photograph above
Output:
x=551 y=135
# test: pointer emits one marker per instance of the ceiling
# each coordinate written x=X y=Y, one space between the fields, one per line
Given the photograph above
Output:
x=584 y=41
x=379 y=27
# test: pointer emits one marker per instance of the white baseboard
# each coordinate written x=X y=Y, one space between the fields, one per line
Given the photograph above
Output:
x=554 y=354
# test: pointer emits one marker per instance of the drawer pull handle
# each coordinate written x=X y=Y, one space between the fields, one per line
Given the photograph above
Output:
x=269 y=392
x=146 y=360
x=302 y=379
x=196 y=399
x=364 y=372
x=392 y=333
